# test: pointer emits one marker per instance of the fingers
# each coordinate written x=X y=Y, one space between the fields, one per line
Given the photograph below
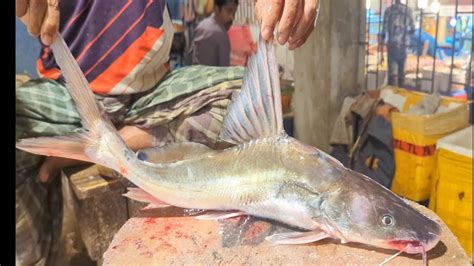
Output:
x=36 y=12
x=41 y=17
x=299 y=15
x=21 y=7
x=50 y=24
x=287 y=20
x=305 y=25
x=270 y=12
x=296 y=20
x=301 y=40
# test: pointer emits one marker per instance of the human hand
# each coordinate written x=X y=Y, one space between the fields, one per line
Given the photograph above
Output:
x=297 y=19
x=41 y=18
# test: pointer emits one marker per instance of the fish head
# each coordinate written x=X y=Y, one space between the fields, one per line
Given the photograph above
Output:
x=355 y=208
x=375 y=216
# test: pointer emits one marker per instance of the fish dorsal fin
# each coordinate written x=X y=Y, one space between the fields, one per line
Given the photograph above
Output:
x=255 y=111
x=173 y=152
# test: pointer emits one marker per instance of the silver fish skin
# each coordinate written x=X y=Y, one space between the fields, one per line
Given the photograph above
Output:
x=268 y=175
x=295 y=184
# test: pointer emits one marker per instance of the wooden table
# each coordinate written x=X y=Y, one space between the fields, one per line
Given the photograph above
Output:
x=166 y=237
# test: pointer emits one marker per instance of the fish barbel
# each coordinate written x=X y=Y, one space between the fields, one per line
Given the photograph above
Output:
x=267 y=174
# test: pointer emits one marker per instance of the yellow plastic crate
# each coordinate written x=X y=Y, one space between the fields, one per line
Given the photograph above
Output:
x=415 y=139
x=412 y=175
x=452 y=185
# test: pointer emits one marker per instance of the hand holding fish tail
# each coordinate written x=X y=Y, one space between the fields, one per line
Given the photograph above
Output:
x=296 y=18
x=41 y=18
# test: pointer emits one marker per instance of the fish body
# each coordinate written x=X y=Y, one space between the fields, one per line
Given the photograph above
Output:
x=267 y=174
x=295 y=184
x=233 y=179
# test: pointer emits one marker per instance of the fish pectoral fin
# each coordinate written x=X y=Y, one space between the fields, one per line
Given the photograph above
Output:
x=139 y=194
x=218 y=215
x=173 y=152
x=297 y=237
x=153 y=206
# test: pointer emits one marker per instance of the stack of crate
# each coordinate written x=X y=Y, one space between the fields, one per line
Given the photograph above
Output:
x=451 y=196
x=415 y=139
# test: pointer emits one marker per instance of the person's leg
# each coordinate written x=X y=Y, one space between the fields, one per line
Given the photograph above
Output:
x=197 y=107
x=392 y=70
x=202 y=126
x=197 y=117
x=401 y=72
x=136 y=138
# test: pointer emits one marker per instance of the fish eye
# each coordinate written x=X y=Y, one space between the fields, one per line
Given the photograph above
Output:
x=388 y=220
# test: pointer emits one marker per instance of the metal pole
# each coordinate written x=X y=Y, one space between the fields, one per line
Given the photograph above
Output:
x=378 y=43
x=469 y=76
x=451 y=67
x=367 y=40
x=405 y=33
x=436 y=50
x=417 y=55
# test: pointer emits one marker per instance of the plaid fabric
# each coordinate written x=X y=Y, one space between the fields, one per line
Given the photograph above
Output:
x=31 y=218
x=189 y=105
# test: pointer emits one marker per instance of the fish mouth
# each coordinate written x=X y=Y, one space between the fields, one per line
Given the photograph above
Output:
x=413 y=246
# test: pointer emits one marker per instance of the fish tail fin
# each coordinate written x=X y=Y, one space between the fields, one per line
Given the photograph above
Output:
x=71 y=147
x=101 y=148
x=77 y=85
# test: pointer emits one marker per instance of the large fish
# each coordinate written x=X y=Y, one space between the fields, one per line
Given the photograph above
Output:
x=267 y=174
